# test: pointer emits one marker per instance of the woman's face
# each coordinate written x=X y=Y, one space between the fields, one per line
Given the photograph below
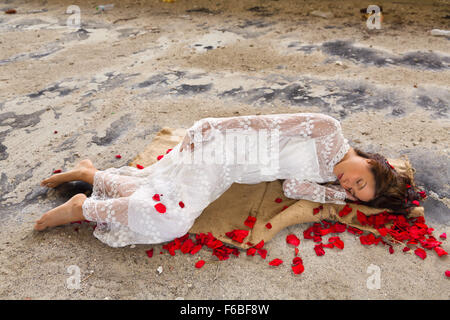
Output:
x=356 y=178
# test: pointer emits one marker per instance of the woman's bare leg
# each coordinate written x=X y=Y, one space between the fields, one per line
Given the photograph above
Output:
x=69 y=211
x=83 y=171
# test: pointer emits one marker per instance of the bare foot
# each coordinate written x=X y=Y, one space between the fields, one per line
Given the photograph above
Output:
x=67 y=212
x=71 y=175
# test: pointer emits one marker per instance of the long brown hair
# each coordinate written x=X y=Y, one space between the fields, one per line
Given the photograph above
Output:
x=393 y=189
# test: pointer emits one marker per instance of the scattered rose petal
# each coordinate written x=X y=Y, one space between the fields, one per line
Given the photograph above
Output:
x=118 y=156
x=160 y=208
x=251 y=251
x=199 y=264
x=421 y=253
x=159 y=157
x=391 y=250
x=181 y=204
x=318 y=248
x=296 y=251
x=268 y=225
x=278 y=200
x=237 y=235
x=262 y=253
x=196 y=249
x=297 y=265
x=415 y=202
x=447 y=273
x=317 y=210
x=440 y=252
x=260 y=245
x=293 y=240
x=443 y=236
x=276 y=262
x=156 y=197
x=139 y=166
x=57 y=171
x=250 y=222
x=149 y=253
x=345 y=211
x=168 y=150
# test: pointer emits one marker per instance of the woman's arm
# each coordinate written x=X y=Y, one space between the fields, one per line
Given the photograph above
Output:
x=302 y=189
x=289 y=124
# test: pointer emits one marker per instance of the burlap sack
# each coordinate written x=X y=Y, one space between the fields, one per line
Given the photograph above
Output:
x=232 y=208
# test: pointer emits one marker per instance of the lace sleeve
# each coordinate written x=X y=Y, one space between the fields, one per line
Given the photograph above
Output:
x=301 y=189
x=313 y=125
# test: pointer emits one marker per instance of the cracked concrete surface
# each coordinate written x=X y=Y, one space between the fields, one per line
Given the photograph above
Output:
x=107 y=86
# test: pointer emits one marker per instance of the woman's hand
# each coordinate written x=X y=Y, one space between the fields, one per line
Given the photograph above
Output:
x=186 y=144
x=350 y=196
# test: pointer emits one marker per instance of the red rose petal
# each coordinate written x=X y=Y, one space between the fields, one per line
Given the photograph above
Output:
x=168 y=150
x=345 y=211
x=160 y=157
x=199 y=264
x=391 y=250
x=251 y=251
x=156 y=197
x=149 y=253
x=268 y=225
x=278 y=200
x=118 y=156
x=318 y=248
x=237 y=235
x=262 y=253
x=441 y=252
x=160 y=208
x=196 y=249
x=415 y=202
x=421 y=253
x=250 y=222
x=443 y=236
x=57 y=171
x=297 y=265
x=276 y=262
x=293 y=240
x=139 y=166
x=297 y=260
x=447 y=273
x=260 y=245
x=296 y=251
x=181 y=204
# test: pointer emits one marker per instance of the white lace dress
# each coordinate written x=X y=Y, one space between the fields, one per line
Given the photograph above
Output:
x=161 y=202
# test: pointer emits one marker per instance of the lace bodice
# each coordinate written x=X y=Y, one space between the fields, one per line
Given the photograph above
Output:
x=310 y=144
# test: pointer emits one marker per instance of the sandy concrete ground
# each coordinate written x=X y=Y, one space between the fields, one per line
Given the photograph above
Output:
x=110 y=84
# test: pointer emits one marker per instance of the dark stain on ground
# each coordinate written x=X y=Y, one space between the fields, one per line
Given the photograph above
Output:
x=156 y=79
x=437 y=105
x=115 y=130
x=16 y=121
x=432 y=170
x=255 y=23
x=67 y=144
x=53 y=88
x=347 y=50
x=114 y=80
x=192 y=88
x=203 y=10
